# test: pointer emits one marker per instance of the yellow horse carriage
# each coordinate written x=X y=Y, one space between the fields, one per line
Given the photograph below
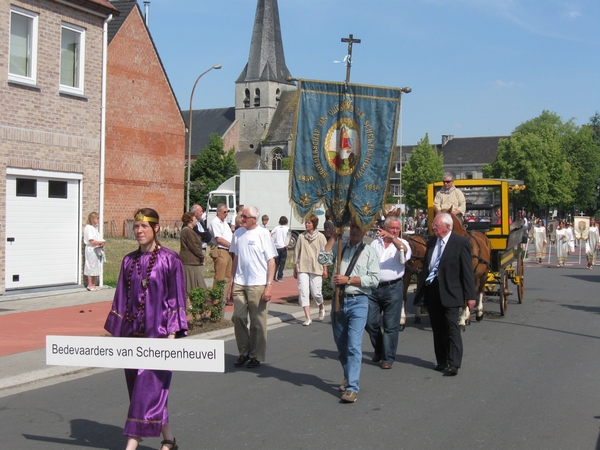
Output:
x=489 y=211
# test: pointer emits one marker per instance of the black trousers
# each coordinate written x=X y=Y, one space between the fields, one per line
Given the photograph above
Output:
x=447 y=340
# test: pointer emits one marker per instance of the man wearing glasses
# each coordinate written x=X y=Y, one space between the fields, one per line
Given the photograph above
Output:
x=250 y=287
x=220 y=242
x=450 y=197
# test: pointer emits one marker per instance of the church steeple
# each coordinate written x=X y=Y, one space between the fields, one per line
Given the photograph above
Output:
x=266 y=61
x=264 y=79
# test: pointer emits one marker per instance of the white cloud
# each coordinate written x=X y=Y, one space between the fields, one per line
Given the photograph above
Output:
x=507 y=84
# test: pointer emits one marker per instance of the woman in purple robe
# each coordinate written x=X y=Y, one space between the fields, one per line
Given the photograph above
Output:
x=149 y=302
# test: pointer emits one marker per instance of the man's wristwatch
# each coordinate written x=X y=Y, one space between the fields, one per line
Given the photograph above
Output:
x=270 y=283
x=349 y=282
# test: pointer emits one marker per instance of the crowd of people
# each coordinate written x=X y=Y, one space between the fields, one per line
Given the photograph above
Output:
x=151 y=294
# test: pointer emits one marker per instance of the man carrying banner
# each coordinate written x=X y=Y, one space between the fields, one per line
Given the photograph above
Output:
x=345 y=135
x=359 y=273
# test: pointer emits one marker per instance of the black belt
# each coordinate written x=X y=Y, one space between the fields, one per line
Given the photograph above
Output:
x=387 y=283
x=352 y=295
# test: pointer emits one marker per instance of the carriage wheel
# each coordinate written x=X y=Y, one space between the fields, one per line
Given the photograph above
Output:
x=503 y=290
x=521 y=273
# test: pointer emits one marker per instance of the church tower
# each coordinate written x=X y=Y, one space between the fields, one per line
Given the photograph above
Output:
x=260 y=85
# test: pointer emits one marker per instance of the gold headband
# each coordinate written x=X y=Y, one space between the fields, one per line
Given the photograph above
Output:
x=139 y=217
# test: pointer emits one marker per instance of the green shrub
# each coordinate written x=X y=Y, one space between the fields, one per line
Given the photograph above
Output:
x=206 y=305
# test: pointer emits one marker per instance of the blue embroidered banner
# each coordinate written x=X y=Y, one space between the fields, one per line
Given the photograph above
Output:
x=342 y=152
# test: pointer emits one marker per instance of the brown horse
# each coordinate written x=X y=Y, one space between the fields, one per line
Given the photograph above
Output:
x=418 y=246
x=481 y=252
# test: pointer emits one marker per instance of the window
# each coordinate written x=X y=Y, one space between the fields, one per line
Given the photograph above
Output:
x=57 y=189
x=23 y=46
x=276 y=161
x=247 y=98
x=26 y=187
x=257 y=97
x=72 y=58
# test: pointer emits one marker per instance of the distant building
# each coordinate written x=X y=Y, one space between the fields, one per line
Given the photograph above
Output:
x=50 y=136
x=463 y=157
x=145 y=131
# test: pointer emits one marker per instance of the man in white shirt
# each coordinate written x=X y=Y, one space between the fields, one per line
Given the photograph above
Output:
x=220 y=243
x=280 y=237
x=386 y=299
x=250 y=287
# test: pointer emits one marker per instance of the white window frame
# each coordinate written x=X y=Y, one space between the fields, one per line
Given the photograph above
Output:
x=33 y=50
x=81 y=67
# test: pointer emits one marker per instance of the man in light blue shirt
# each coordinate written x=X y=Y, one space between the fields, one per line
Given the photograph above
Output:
x=348 y=324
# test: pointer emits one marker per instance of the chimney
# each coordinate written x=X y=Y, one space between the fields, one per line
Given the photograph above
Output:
x=446 y=138
x=147 y=13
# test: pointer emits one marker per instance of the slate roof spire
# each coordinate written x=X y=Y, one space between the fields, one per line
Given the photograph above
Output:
x=266 y=61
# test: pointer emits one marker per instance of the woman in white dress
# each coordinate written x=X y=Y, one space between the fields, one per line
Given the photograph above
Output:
x=92 y=241
x=571 y=237
x=592 y=243
x=562 y=243
x=540 y=239
x=307 y=269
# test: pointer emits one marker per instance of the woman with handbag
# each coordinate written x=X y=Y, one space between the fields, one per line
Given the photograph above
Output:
x=94 y=250
x=191 y=254
x=307 y=269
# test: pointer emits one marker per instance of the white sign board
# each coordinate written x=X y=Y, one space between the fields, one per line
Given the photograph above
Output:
x=191 y=355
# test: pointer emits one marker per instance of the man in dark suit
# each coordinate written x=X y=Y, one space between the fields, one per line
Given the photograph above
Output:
x=446 y=284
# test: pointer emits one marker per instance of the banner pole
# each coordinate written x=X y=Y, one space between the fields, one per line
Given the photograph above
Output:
x=336 y=302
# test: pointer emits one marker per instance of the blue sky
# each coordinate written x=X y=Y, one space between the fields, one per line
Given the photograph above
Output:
x=476 y=67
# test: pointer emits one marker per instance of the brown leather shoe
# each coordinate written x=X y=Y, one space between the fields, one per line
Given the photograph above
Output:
x=376 y=358
x=386 y=365
x=349 y=397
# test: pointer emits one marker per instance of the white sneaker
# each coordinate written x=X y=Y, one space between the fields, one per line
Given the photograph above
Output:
x=307 y=322
x=322 y=314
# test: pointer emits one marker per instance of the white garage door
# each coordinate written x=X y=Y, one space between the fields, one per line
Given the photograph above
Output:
x=42 y=229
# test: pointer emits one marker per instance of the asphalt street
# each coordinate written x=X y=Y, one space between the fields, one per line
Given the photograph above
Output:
x=530 y=380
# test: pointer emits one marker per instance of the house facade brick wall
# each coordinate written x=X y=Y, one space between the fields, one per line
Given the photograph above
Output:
x=42 y=128
x=145 y=133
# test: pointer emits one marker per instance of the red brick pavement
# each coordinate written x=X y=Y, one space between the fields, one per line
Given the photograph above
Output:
x=22 y=332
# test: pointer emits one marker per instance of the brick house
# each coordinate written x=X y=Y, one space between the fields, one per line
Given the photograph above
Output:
x=50 y=136
x=145 y=132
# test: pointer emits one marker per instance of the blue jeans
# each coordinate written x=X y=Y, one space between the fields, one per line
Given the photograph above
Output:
x=280 y=263
x=386 y=300
x=348 y=334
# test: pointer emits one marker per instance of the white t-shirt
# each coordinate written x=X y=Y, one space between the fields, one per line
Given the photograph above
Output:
x=254 y=248
x=389 y=260
x=218 y=228
x=280 y=233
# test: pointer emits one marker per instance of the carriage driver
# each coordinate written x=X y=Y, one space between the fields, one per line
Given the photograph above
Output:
x=450 y=196
x=386 y=299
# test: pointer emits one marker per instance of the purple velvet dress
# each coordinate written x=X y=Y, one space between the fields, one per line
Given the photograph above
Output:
x=164 y=312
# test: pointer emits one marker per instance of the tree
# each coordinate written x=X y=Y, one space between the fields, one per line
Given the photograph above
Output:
x=425 y=166
x=583 y=154
x=212 y=167
x=595 y=124
x=536 y=153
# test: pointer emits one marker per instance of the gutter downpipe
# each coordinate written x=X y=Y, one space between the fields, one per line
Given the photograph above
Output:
x=103 y=133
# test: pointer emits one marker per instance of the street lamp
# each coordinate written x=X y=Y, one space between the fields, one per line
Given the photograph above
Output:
x=189 y=158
